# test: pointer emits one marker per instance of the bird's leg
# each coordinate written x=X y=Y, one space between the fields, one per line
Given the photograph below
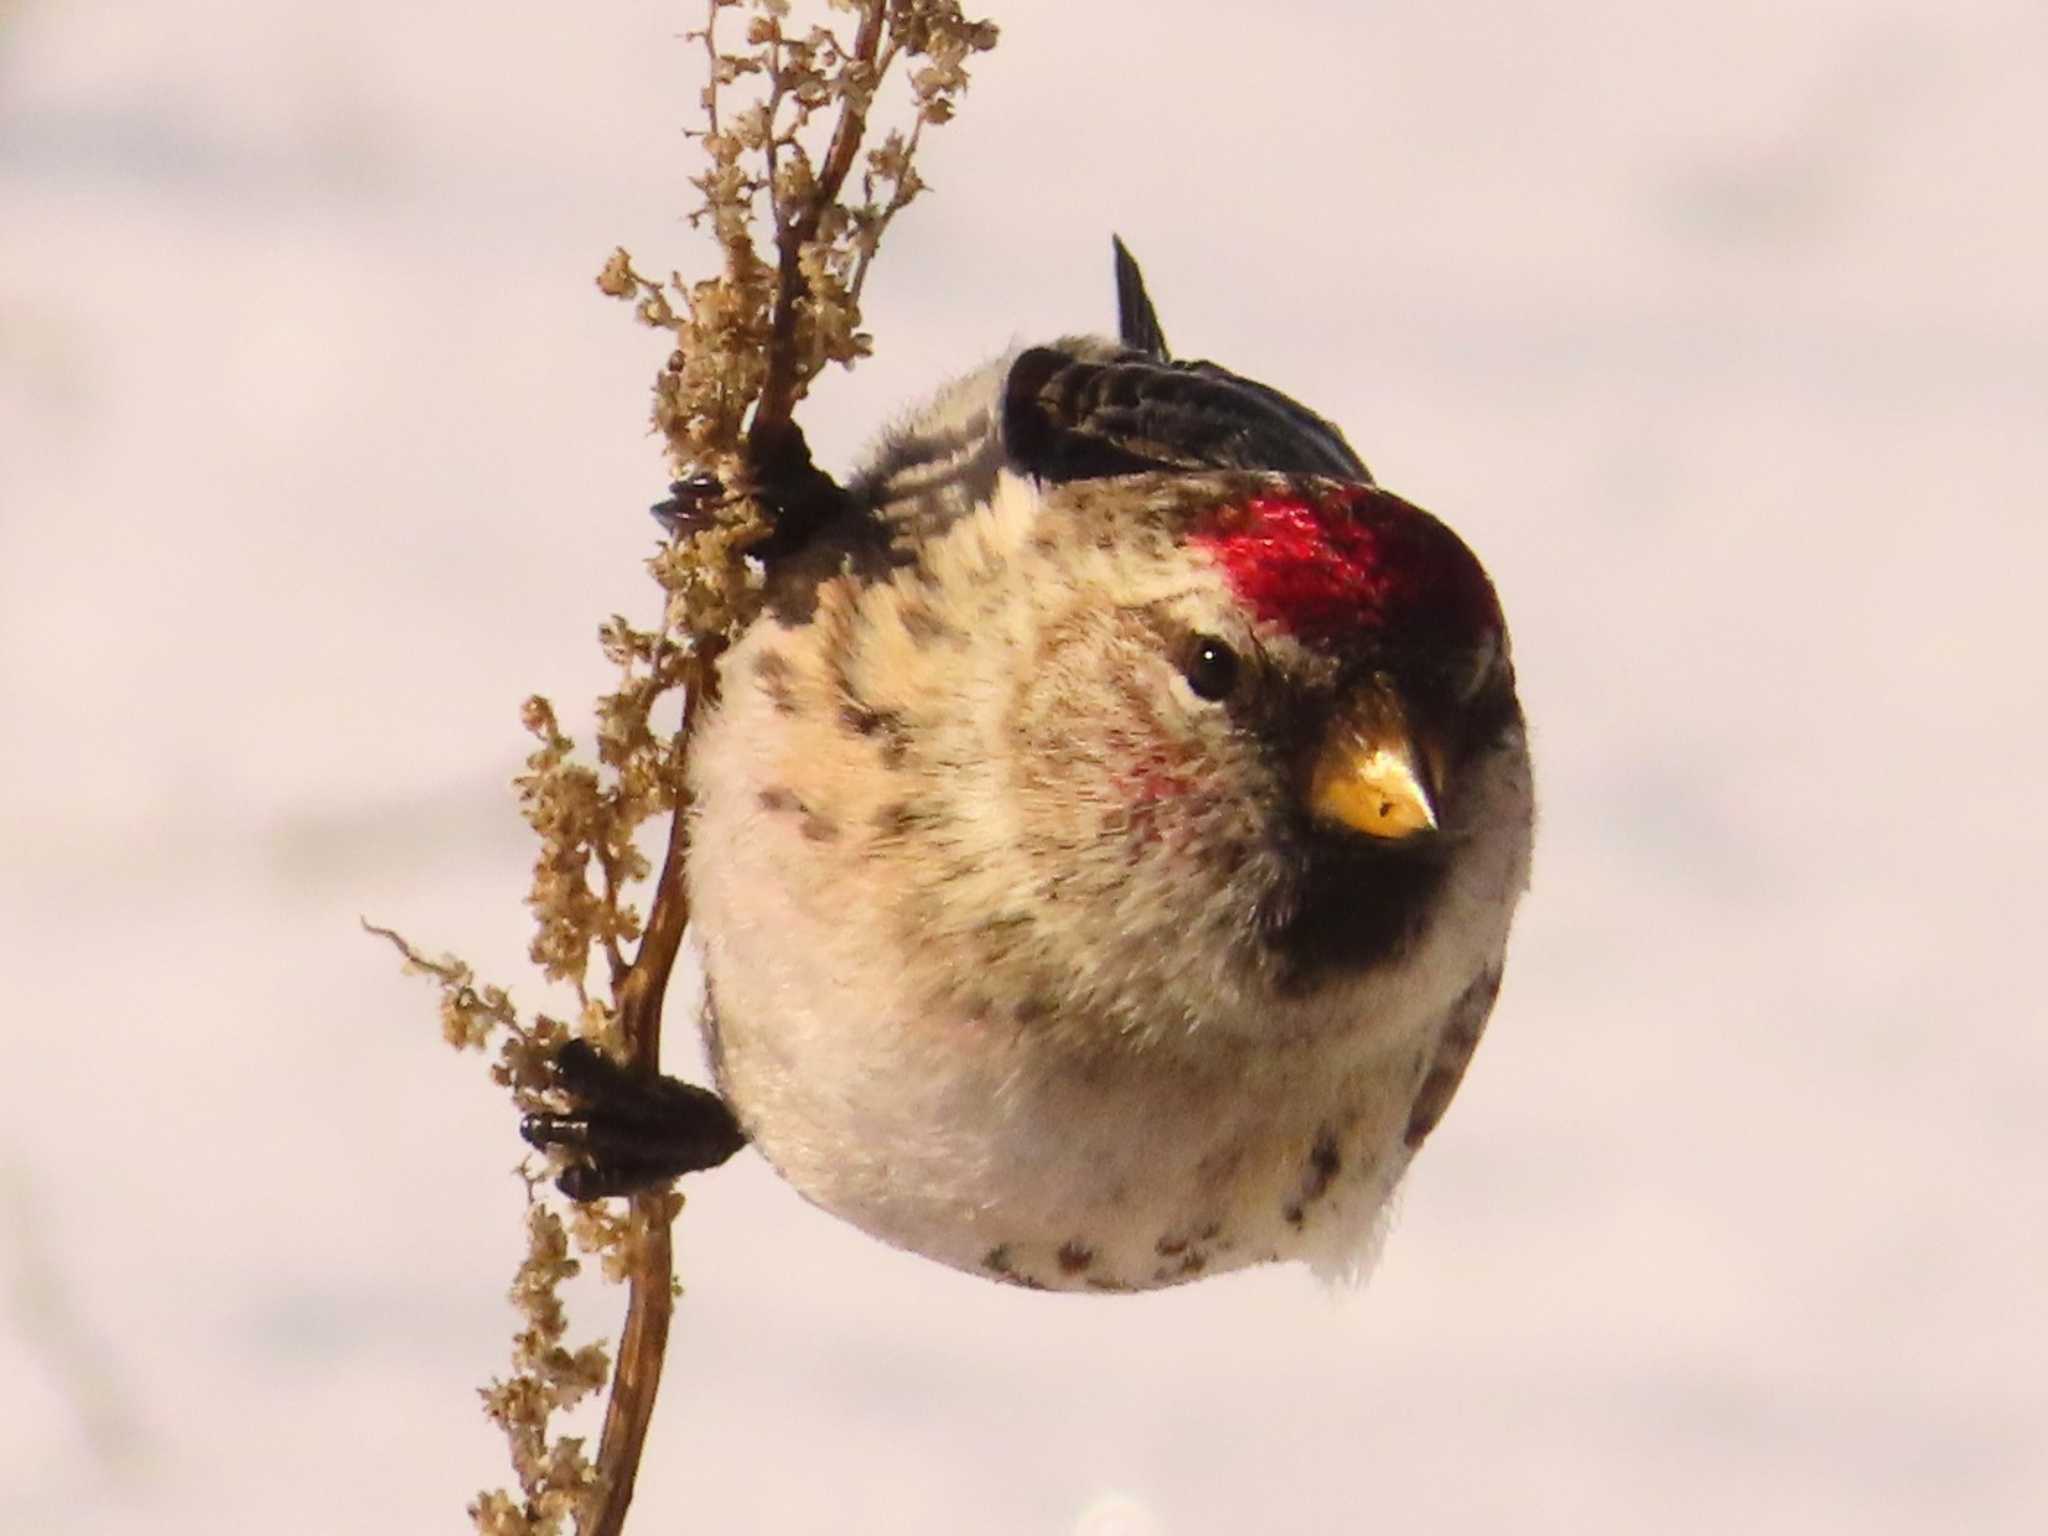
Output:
x=629 y=1130
x=800 y=497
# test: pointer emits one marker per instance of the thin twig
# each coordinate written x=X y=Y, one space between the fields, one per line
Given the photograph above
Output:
x=779 y=391
x=901 y=193
x=774 y=109
x=710 y=36
x=651 y=1279
x=615 y=959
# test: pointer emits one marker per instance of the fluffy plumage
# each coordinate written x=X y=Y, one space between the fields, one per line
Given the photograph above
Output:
x=1027 y=954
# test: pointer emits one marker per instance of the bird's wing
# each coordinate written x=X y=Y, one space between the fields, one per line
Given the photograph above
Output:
x=1463 y=1026
x=1081 y=409
x=1069 y=413
x=1085 y=408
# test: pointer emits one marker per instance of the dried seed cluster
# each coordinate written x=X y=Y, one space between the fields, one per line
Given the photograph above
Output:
x=786 y=113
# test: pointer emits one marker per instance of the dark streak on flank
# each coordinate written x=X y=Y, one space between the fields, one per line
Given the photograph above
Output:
x=774 y=671
x=1036 y=1009
x=875 y=723
x=865 y=719
x=778 y=800
x=899 y=818
x=1190 y=1266
x=922 y=623
x=1325 y=1162
x=1292 y=1214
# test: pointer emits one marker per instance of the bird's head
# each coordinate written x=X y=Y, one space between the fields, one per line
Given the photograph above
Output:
x=1258 y=717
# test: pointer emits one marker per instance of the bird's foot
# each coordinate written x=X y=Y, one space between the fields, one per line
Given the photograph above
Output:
x=692 y=505
x=800 y=498
x=629 y=1131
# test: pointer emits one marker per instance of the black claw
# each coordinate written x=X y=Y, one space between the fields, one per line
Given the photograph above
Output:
x=800 y=497
x=692 y=505
x=629 y=1130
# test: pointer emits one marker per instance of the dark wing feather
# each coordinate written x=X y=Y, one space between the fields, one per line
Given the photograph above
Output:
x=1072 y=417
x=1080 y=411
x=1083 y=409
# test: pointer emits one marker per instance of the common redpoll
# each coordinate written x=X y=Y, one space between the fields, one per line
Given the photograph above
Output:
x=1106 y=840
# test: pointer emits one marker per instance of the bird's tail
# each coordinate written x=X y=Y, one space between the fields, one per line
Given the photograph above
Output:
x=1137 y=323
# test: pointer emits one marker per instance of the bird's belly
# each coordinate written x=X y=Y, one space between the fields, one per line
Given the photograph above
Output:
x=981 y=1146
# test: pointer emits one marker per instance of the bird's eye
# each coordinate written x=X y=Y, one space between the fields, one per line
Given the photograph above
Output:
x=1210 y=668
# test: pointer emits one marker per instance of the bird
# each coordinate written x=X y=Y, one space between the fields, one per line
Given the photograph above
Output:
x=1105 y=841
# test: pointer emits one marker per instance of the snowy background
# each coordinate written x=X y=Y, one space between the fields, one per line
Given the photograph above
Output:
x=1721 y=333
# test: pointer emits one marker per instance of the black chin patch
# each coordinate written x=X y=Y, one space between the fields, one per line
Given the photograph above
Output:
x=1348 y=903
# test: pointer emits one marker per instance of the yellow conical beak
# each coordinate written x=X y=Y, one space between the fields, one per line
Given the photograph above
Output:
x=1369 y=774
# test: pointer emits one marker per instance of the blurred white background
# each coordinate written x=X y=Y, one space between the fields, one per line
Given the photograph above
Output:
x=1720 y=332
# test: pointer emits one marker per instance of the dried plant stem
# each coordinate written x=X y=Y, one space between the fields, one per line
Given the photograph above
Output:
x=786 y=112
x=784 y=384
x=643 y=1343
